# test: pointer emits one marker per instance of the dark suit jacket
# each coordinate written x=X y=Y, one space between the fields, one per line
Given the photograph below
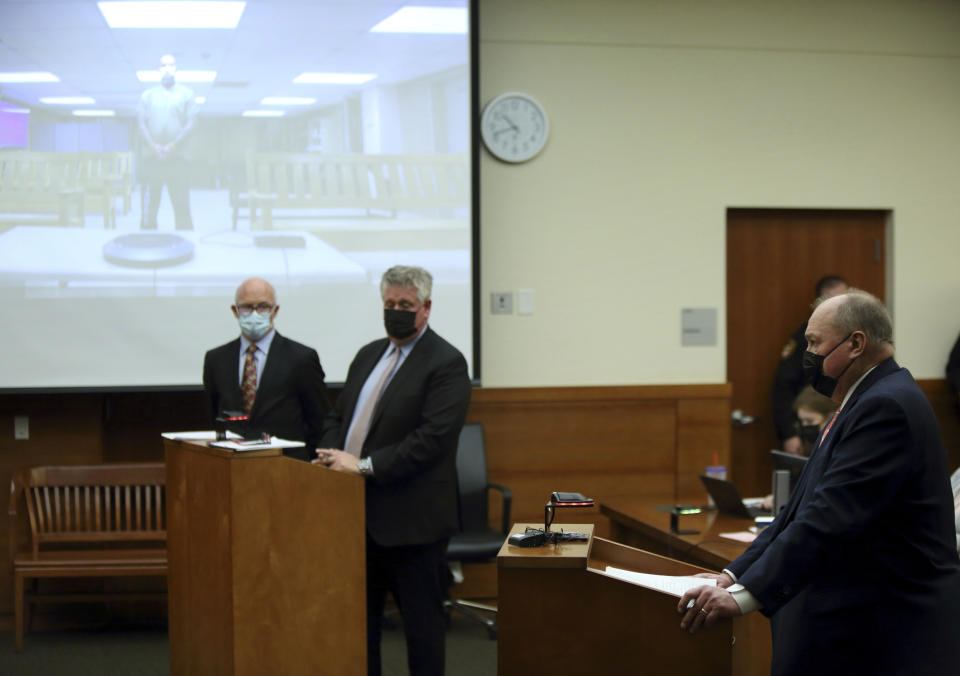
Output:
x=860 y=573
x=291 y=397
x=413 y=497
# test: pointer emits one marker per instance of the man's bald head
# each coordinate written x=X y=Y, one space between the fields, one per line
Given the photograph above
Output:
x=255 y=286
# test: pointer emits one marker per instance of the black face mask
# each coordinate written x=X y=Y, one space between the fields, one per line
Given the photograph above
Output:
x=400 y=324
x=808 y=433
x=813 y=370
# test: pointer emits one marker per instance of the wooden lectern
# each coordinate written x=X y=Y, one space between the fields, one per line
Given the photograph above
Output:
x=557 y=614
x=266 y=564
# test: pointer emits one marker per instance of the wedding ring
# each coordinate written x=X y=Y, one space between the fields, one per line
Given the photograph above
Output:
x=704 y=611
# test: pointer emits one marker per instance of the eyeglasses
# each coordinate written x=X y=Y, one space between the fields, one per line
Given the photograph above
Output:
x=262 y=308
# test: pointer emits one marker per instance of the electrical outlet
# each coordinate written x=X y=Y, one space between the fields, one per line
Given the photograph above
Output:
x=21 y=427
x=501 y=302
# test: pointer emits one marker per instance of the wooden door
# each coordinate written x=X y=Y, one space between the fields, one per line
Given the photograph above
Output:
x=774 y=259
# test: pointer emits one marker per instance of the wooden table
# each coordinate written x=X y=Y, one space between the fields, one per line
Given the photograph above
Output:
x=637 y=521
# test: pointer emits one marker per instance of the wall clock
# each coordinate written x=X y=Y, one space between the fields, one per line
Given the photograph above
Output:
x=514 y=127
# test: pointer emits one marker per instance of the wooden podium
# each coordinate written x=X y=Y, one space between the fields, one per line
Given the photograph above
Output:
x=558 y=614
x=266 y=564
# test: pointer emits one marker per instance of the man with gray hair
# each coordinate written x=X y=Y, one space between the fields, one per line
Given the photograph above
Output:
x=397 y=423
x=859 y=573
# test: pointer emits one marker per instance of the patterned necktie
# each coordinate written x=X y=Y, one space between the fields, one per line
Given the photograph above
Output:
x=248 y=387
x=359 y=433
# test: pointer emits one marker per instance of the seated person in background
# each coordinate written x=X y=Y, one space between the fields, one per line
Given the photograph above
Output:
x=274 y=380
x=813 y=410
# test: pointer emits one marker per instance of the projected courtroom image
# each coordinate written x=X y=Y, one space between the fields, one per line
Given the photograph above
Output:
x=171 y=148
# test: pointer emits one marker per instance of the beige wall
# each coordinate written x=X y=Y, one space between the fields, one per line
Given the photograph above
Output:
x=662 y=115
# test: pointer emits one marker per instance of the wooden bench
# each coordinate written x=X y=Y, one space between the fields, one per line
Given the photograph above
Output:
x=95 y=521
x=41 y=183
x=65 y=184
x=103 y=177
x=372 y=184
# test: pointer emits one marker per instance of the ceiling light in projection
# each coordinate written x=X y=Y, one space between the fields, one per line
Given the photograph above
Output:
x=451 y=20
x=333 y=78
x=172 y=14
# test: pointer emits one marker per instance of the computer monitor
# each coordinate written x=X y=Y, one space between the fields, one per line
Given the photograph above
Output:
x=790 y=462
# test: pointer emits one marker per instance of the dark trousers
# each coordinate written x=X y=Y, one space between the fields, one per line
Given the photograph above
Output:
x=172 y=172
x=414 y=576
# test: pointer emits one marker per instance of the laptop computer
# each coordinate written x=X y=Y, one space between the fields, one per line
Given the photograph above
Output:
x=728 y=500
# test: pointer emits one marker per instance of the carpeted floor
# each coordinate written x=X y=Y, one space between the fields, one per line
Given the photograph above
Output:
x=145 y=652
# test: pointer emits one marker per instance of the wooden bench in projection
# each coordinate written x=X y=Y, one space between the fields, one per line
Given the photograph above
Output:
x=40 y=185
x=306 y=184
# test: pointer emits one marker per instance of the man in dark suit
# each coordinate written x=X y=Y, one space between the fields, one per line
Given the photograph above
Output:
x=859 y=573
x=399 y=419
x=277 y=381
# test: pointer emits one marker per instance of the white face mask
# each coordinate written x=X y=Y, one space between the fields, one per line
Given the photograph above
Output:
x=255 y=325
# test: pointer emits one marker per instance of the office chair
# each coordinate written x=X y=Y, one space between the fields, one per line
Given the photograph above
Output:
x=478 y=542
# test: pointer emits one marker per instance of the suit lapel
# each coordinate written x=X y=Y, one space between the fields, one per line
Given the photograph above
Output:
x=821 y=455
x=231 y=368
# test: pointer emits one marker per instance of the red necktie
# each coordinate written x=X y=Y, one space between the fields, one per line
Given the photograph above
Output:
x=248 y=387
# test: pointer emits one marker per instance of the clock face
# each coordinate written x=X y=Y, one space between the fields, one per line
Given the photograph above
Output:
x=514 y=127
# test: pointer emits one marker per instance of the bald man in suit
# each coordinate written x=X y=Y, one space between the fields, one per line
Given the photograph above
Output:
x=859 y=573
x=289 y=398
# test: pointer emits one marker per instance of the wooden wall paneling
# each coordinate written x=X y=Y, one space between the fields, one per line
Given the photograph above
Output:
x=134 y=421
x=601 y=441
x=703 y=437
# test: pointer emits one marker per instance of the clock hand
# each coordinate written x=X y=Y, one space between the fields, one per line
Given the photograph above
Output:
x=512 y=125
x=500 y=131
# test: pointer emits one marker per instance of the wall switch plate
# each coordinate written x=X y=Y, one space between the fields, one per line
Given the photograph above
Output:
x=501 y=302
x=525 y=301
x=21 y=427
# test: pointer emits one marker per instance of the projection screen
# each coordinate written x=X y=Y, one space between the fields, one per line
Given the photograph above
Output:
x=317 y=143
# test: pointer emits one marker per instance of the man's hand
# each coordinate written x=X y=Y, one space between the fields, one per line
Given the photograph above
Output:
x=709 y=605
x=793 y=445
x=338 y=460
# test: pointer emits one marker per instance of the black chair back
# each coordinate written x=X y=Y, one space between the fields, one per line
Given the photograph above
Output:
x=472 y=477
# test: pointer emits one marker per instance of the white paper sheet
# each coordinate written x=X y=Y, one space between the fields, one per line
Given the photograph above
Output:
x=676 y=585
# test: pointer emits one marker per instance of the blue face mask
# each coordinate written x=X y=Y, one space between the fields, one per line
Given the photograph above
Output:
x=255 y=325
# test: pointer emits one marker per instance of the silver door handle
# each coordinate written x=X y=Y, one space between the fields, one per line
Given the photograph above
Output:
x=738 y=419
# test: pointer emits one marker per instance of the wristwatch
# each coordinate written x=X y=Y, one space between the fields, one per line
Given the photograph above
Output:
x=365 y=466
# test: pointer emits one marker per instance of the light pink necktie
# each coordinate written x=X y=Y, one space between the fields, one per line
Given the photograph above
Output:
x=827 y=428
x=359 y=433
